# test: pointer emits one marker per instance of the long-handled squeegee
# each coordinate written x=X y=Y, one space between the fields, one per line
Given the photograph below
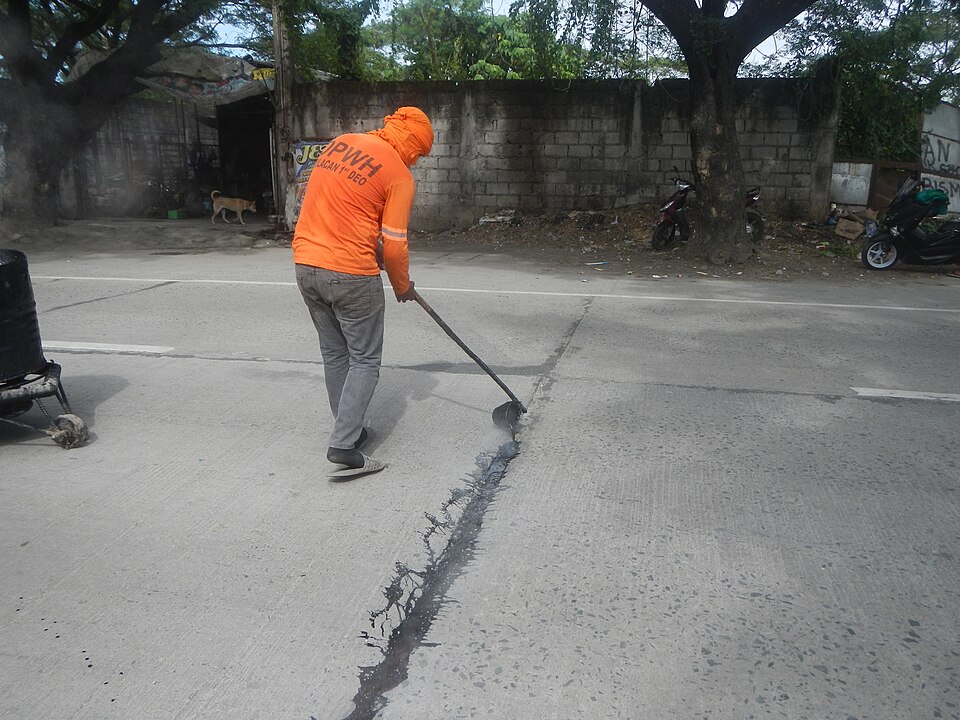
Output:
x=504 y=416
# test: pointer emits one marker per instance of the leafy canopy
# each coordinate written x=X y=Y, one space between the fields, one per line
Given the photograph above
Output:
x=894 y=61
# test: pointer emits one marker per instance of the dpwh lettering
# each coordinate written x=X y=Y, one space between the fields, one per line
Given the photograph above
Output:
x=361 y=163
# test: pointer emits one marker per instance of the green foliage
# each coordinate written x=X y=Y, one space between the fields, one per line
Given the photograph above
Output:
x=878 y=120
x=511 y=55
x=458 y=40
x=612 y=40
x=323 y=35
x=430 y=40
x=896 y=60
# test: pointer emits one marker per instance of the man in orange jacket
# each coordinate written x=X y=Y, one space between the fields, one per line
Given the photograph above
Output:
x=360 y=193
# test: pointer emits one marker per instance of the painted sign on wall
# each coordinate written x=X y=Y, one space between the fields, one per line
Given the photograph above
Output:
x=940 y=152
x=305 y=154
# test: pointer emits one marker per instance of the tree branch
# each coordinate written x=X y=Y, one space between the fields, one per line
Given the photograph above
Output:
x=75 y=32
x=756 y=20
x=9 y=98
x=114 y=78
x=16 y=30
x=714 y=8
x=77 y=5
x=676 y=16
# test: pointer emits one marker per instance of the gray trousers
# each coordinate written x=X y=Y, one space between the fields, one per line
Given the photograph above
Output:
x=347 y=311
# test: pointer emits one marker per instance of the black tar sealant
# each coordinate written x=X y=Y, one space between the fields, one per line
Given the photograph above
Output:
x=416 y=596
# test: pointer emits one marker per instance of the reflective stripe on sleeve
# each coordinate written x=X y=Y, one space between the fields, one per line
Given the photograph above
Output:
x=390 y=233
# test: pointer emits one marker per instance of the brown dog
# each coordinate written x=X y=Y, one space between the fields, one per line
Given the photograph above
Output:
x=221 y=204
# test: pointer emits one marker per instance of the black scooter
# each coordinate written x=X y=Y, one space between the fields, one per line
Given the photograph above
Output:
x=672 y=226
x=898 y=237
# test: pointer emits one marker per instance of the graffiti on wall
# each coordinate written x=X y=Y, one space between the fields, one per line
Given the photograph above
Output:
x=940 y=152
x=951 y=186
x=940 y=155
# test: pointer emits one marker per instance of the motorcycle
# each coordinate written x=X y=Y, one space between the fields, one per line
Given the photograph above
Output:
x=672 y=225
x=899 y=237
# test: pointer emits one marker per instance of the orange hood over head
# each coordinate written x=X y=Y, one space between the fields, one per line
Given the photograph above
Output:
x=409 y=131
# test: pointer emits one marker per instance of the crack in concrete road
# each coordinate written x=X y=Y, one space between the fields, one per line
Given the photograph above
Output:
x=45 y=311
x=417 y=595
x=548 y=378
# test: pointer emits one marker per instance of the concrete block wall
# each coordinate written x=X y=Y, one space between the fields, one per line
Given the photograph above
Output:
x=145 y=144
x=587 y=145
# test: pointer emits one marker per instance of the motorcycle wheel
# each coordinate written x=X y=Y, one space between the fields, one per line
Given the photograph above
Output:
x=879 y=253
x=755 y=227
x=663 y=236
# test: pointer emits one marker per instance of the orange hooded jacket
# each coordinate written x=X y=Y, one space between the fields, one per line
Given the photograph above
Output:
x=361 y=188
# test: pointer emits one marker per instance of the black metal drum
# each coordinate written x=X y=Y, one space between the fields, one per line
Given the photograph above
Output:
x=20 y=350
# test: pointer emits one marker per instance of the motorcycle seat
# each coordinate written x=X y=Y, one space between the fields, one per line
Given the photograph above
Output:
x=948 y=233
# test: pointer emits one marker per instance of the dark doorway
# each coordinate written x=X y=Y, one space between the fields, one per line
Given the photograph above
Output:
x=245 y=169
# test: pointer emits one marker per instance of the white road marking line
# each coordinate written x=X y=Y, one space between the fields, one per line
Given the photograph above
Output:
x=53 y=345
x=682 y=298
x=196 y=281
x=540 y=293
x=907 y=394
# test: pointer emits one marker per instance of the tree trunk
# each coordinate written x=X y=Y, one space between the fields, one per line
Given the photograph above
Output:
x=714 y=44
x=719 y=232
x=31 y=186
x=44 y=134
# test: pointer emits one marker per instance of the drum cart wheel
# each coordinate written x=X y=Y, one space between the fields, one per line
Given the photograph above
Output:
x=16 y=397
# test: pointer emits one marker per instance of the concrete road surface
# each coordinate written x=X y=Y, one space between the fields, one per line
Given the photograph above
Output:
x=728 y=499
